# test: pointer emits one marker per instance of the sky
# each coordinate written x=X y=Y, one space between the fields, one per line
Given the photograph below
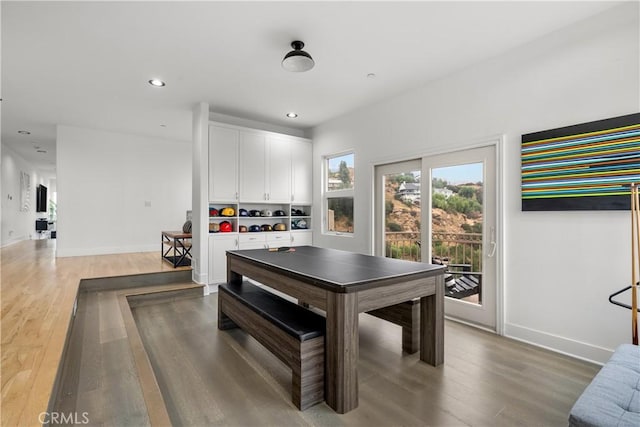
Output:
x=334 y=162
x=460 y=174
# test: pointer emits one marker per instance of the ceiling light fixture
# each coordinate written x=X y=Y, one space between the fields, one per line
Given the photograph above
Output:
x=24 y=132
x=292 y=115
x=157 y=83
x=297 y=60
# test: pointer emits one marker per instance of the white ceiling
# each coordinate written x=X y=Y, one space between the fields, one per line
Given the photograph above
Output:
x=87 y=64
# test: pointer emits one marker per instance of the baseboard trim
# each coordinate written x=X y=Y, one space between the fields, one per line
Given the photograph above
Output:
x=69 y=252
x=201 y=279
x=569 y=347
x=14 y=241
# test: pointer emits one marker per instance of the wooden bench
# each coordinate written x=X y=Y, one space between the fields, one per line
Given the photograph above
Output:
x=295 y=335
x=458 y=284
x=407 y=315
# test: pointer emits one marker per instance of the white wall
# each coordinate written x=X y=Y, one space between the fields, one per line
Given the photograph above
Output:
x=559 y=266
x=117 y=192
x=17 y=224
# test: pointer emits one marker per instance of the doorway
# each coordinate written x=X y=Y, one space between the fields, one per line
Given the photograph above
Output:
x=443 y=209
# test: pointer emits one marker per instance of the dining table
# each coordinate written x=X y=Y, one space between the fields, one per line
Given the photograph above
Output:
x=344 y=284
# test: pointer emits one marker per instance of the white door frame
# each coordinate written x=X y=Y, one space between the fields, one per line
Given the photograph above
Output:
x=498 y=141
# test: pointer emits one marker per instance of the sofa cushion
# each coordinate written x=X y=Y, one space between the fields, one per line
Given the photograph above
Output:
x=613 y=397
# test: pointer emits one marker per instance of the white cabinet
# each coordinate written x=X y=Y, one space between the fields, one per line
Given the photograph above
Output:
x=253 y=150
x=223 y=163
x=256 y=170
x=278 y=170
x=264 y=240
x=252 y=241
x=301 y=238
x=265 y=168
x=219 y=244
x=301 y=173
x=278 y=239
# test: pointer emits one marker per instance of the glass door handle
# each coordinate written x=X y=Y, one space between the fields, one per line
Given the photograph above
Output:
x=492 y=242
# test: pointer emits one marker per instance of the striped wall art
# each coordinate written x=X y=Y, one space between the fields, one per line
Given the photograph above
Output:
x=581 y=167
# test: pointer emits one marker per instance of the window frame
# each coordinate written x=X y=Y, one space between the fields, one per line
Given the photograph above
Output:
x=327 y=194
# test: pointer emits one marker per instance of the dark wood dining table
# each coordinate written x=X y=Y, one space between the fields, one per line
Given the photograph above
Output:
x=344 y=284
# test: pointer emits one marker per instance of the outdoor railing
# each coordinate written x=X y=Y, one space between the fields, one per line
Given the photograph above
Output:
x=451 y=248
x=403 y=245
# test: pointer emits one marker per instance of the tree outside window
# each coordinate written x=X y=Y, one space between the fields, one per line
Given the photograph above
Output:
x=338 y=193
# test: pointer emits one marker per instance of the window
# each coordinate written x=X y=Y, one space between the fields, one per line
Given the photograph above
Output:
x=339 y=179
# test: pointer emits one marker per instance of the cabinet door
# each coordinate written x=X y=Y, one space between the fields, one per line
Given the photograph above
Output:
x=278 y=170
x=301 y=238
x=218 y=247
x=302 y=172
x=223 y=163
x=252 y=167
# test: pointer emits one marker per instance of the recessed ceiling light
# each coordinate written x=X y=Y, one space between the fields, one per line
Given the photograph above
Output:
x=163 y=126
x=371 y=76
x=157 y=83
x=24 y=132
x=42 y=151
x=292 y=115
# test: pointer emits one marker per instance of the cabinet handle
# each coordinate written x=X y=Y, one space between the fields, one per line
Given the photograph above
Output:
x=236 y=195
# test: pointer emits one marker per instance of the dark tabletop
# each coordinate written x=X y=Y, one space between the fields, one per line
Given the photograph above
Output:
x=334 y=268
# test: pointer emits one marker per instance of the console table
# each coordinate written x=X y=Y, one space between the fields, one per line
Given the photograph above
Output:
x=176 y=248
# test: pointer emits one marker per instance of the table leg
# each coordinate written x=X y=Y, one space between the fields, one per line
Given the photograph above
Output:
x=342 y=352
x=432 y=325
x=232 y=276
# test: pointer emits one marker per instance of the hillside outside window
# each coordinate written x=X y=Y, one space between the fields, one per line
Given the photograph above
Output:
x=338 y=194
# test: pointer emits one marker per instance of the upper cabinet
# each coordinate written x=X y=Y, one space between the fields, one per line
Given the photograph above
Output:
x=255 y=166
x=253 y=151
x=223 y=163
x=301 y=168
x=278 y=176
x=265 y=168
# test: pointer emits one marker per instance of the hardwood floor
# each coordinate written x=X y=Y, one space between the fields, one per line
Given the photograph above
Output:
x=38 y=291
x=207 y=376
x=217 y=377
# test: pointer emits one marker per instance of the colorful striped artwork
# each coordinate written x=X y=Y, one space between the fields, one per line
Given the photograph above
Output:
x=589 y=166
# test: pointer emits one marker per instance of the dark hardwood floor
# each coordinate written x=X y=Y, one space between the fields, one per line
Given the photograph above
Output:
x=212 y=377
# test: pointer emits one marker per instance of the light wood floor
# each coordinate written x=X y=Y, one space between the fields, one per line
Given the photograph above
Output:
x=226 y=378
x=37 y=293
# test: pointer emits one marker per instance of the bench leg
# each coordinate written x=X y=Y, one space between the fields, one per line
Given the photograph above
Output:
x=307 y=379
x=407 y=315
x=224 y=321
x=411 y=328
